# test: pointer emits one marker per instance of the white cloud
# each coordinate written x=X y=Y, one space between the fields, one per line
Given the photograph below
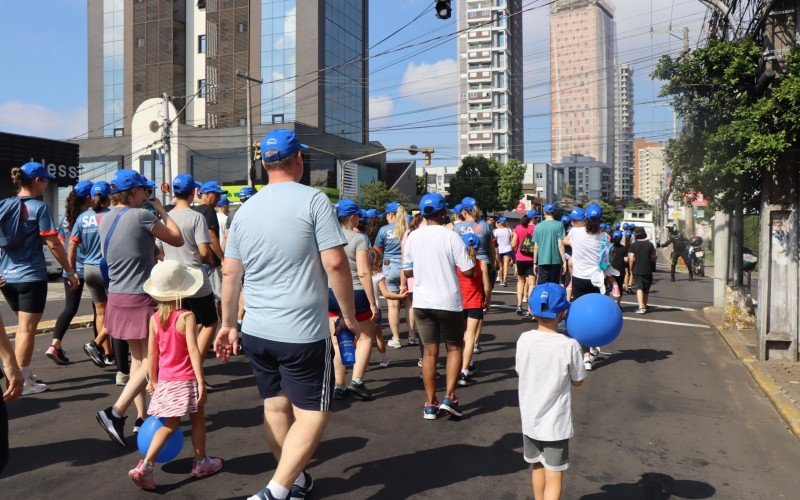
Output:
x=431 y=84
x=380 y=110
x=34 y=119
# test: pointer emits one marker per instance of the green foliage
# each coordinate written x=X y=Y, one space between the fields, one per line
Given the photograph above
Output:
x=610 y=214
x=731 y=135
x=377 y=195
x=639 y=203
x=477 y=177
x=422 y=184
x=509 y=184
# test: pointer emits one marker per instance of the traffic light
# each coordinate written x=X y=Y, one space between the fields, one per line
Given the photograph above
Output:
x=443 y=9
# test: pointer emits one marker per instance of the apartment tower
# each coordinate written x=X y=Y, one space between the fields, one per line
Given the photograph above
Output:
x=623 y=145
x=649 y=170
x=490 y=79
x=582 y=79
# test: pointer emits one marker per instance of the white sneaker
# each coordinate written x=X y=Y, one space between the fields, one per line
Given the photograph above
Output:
x=641 y=311
x=395 y=344
x=385 y=360
x=594 y=351
x=587 y=363
x=122 y=379
x=32 y=387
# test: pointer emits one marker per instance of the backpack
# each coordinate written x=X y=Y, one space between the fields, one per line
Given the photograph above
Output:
x=11 y=223
x=604 y=261
x=526 y=248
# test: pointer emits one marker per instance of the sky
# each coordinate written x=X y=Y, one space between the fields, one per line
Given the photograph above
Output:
x=413 y=77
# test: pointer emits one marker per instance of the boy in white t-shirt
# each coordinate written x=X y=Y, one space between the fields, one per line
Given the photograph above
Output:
x=548 y=363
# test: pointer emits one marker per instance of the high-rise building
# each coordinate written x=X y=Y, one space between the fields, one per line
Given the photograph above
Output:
x=582 y=75
x=580 y=177
x=490 y=79
x=649 y=170
x=312 y=61
x=623 y=145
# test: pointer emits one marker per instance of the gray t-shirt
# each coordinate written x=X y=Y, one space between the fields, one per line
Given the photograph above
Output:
x=278 y=235
x=195 y=232
x=356 y=242
x=130 y=252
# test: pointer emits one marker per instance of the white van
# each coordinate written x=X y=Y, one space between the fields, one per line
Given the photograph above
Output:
x=641 y=217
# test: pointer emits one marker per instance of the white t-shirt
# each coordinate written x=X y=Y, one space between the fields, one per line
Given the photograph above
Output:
x=503 y=237
x=585 y=252
x=222 y=219
x=376 y=278
x=546 y=362
x=434 y=252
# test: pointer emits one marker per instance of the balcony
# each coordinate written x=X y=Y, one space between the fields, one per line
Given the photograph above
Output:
x=479 y=76
x=476 y=16
x=479 y=36
x=479 y=97
x=476 y=56
x=480 y=137
x=480 y=117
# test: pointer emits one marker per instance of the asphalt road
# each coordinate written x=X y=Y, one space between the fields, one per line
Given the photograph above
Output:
x=670 y=413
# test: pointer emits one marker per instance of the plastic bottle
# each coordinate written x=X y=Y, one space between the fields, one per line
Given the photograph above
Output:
x=347 y=346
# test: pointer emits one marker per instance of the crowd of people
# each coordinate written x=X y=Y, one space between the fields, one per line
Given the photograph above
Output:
x=169 y=284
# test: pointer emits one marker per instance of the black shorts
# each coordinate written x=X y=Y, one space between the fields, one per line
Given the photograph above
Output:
x=476 y=313
x=302 y=371
x=203 y=308
x=26 y=297
x=525 y=268
x=363 y=312
x=550 y=273
x=435 y=325
x=643 y=282
x=581 y=287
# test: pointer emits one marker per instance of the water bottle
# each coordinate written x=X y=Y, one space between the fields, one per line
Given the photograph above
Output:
x=347 y=346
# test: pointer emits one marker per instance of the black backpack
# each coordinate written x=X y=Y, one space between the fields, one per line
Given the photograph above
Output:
x=11 y=223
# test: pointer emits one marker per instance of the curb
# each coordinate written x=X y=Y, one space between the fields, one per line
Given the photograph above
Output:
x=50 y=325
x=786 y=409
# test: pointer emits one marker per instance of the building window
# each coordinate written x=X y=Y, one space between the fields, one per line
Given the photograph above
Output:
x=140 y=42
x=242 y=27
x=242 y=122
x=201 y=88
x=201 y=44
x=277 y=118
x=201 y=4
x=119 y=132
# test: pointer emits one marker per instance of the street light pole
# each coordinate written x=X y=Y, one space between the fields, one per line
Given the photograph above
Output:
x=249 y=124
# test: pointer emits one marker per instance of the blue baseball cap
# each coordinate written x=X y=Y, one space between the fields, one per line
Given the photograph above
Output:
x=212 y=187
x=35 y=170
x=468 y=203
x=549 y=208
x=616 y=235
x=102 y=188
x=457 y=209
x=125 y=180
x=150 y=184
x=432 y=203
x=502 y=219
x=626 y=227
x=83 y=188
x=471 y=240
x=566 y=219
x=183 y=183
x=628 y=233
x=593 y=212
x=577 y=214
x=347 y=207
x=392 y=207
x=279 y=144
x=617 y=226
x=373 y=213
x=533 y=214
x=547 y=300
x=223 y=201
x=246 y=192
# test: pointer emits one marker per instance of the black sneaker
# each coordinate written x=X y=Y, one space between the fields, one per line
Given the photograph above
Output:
x=137 y=425
x=471 y=369
x=94 y=354
x=299 y=493
x=339 y=392
x=360 y=390
x=57 y=355
x=464 y=380
x=114 y=426
x=520 y=312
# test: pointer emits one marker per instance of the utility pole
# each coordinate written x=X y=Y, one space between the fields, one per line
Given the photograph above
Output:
x=249 y=124
x=166 y=132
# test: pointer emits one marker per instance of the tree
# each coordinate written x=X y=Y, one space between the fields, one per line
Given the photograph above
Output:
x=377 y=195
x=610 y=214
x=509 y=184
x=422 y=184
x=477 y=177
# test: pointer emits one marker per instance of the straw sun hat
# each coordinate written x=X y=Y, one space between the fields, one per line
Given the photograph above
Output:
x=170 y=281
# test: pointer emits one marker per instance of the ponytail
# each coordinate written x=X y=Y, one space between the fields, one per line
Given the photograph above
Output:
x=98 y=202
x=592 y=226
x=401 y=222
x=19 y=179
x=72 y=208
x=473 y=254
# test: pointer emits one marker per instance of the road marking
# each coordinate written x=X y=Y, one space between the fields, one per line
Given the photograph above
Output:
x=502 y=292
x=676 y=323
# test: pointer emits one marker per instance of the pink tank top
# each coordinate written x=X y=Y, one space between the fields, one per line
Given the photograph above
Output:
x=174 y=363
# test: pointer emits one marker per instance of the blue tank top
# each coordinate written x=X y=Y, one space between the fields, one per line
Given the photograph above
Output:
x=482 y=230
x=25 y=263
x=86 y=235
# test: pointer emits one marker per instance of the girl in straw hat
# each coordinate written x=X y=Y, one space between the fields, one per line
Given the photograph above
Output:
x=176 y=369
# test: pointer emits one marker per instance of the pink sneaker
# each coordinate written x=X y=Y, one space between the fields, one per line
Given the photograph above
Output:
x=206 y=467
x=142 y=476
x=385 y=360
x=615 y=291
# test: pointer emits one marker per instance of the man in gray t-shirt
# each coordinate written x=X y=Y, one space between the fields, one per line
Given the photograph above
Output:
x=288 y=246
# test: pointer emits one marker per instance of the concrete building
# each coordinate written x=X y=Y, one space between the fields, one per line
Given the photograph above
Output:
x=538 y=180
x=191 y=50
x=439 y=178
x=649 y=175
x=582 y=75
x=585 y=176
x=623 y=145
x=490 y=79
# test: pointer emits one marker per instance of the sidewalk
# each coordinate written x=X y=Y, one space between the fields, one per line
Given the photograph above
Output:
x=780 y=380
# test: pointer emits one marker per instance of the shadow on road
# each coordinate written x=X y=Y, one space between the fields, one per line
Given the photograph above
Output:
x=34 y=406
x=654 y=486
x=76 y=453
x=427 y=470
x=638 y=355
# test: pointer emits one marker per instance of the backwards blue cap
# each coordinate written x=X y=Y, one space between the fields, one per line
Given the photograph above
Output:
x=616 y=235
x=471 y=240
x=547 y=300
x=533 y=214
x=566 y=219
x=457 y=209
x=577 y=214
x=549 y=208
x=392 y=207
x=502 y=219
x=83 y=188
x=594 y=212
x=279 y=144
x=35 y=170
x=347 y=207
x=373 y=213
x=432 y=203
x=468 y=203
x=102 y=188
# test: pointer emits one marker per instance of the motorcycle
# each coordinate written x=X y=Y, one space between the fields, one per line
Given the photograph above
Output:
x=697 y=256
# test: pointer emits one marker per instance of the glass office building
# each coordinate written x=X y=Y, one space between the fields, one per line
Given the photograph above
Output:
x=344 y=82
x=113 y=74
x=278 y=56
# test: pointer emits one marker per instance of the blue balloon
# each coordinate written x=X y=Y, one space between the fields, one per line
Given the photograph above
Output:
x=594 y=320
x=171 y=449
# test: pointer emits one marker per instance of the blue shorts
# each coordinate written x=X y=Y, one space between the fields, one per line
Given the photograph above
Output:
x=301 y=371
x=392 y=273
x=363 y=312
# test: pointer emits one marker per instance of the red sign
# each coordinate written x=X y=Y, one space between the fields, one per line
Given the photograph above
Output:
x=521 y=209
x=699 y=200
